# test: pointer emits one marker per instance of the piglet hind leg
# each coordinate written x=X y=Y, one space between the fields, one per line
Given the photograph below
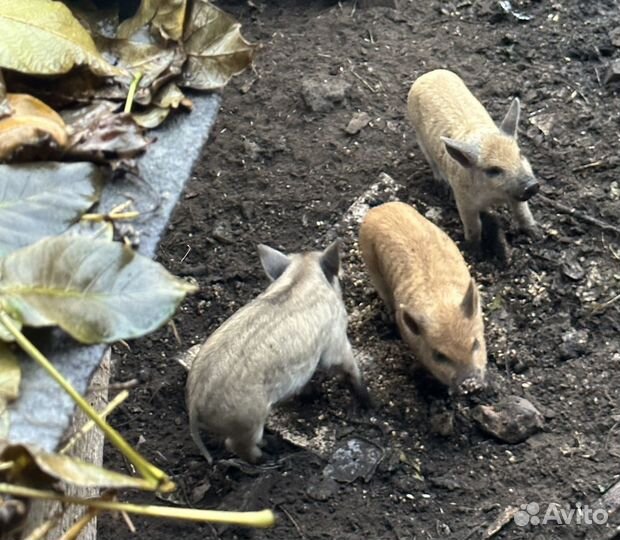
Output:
x=245 y=435
x=247 y=445
x=352 y=373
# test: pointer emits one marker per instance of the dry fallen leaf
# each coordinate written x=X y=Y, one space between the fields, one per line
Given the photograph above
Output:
x=43 y=37
x=215 y=47
x=167 y=16
x=98 y=133
x=34 y=468
x=32 y=123
x=157 y=64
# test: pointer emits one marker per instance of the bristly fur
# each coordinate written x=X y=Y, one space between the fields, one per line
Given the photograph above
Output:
x=269 y=349
x=481 y=162
x=422 y=276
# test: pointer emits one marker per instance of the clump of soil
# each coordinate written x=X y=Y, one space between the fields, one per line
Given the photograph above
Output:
x=283 y=166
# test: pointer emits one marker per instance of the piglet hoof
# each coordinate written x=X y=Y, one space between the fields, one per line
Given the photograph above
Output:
x=534 y=232
x=474 y=248
x=363 y=397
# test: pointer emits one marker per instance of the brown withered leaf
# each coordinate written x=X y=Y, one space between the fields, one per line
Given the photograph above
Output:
x=98 y=133
x=34 y=468
x=215 y=47
x=32 y=123
x=157 y=64
x=166 y=16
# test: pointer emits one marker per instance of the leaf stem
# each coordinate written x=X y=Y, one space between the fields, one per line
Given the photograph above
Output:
x=132 y=91
x=262 y=518
x=149 y=472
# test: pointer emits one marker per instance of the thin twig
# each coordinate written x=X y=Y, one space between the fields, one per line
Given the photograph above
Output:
x=295 y=524
x=562 y=208
x=364 y=82
x=591 y=165
x=128 y=522
x=126 y=385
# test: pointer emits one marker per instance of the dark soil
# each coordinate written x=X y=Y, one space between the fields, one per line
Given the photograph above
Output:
x=278 y=172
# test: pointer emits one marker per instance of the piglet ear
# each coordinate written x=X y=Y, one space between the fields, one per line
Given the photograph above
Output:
x=409 y=322
x=330 y=260
x=471 y=301
x=510 y=123
x=274 y=262
x=466 y=154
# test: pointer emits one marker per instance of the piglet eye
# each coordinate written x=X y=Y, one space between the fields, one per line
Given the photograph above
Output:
x=475 y=346
x=441 y=358
x=493 y=171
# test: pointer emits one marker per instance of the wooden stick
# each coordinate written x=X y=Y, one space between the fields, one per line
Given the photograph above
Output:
x=563 y=209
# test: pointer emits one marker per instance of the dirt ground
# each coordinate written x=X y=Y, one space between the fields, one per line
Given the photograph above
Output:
x=281 y=169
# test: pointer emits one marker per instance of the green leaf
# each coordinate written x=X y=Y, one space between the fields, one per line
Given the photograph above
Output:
x=97 y=291
x=42 y=37
x=5 y=335
x=215 y=47
x=43 y=199
x=33 y=467
x=151 y=118
x=167 y=16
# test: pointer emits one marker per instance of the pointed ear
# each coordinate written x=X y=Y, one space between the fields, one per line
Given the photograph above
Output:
x=465 y=153
x=510 y=123
x=330 y=260
x=471 y=300
x=408 y=321
x=274 y=262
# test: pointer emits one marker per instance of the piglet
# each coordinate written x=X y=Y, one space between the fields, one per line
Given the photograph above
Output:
x=269 y=349
x=482 y=162
x=421 y=275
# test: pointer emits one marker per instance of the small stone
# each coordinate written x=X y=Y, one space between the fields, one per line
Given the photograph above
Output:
x=252 y=149
x=323 y=490
x=323 y=95
x=613 y=72
x=221 y=233
x=572 y=269
x=512 y=420
x=574 y=344
x=357 y=459
x=199 y=492
x=433 y=214
x=247 y=210
x=614 y=35
x=442 y=423
x=357 y=123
